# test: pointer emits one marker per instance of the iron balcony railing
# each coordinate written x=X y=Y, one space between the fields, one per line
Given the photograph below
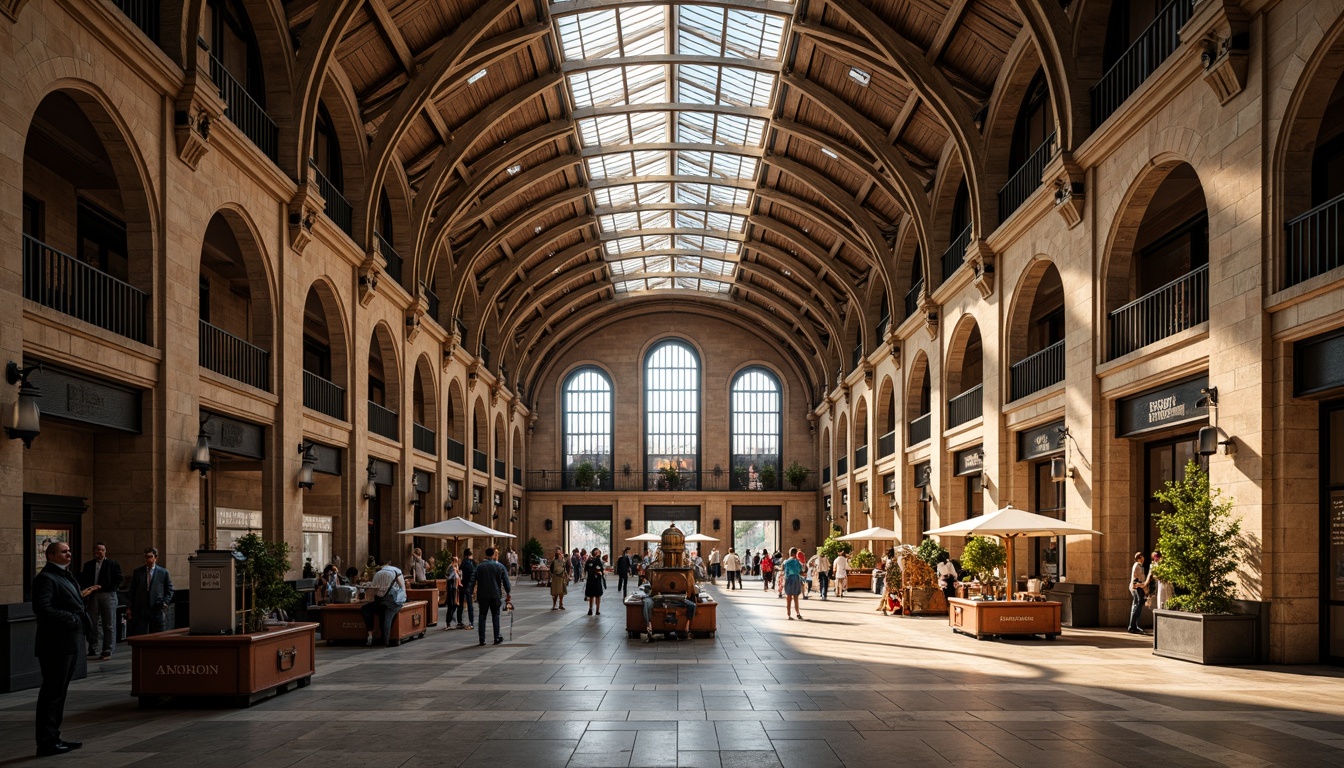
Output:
x=389 y=255
x=243 y=111
x=143 y=14
x=912 y=298
x=338 y=209
x=955 y=255
x=1025 y=179
x=919 y=429
x=825 y=475
x=68 y=285
x=1038 y=371
x=518 y=476
x=1159 y=40
x=500 y=469
x=861 y=457
x=886 y=445
x=383 y=421
x=228 y=355
x=433 y=301
x=842 y=466
x=457 y=452
x=323 y=396
x=424 y=439
x=1183 y=303
x=479 y=461
x=1314 y=243
x=636 y=481
x=967 y=406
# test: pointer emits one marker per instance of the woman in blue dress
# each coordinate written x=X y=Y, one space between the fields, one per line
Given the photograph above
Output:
x=792 y=572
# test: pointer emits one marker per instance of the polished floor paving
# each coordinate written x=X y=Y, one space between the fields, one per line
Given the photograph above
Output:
x=844 y=687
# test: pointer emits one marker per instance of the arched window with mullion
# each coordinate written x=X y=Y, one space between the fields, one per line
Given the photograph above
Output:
x=756 y=405
x=588 y=427
x=672 y=417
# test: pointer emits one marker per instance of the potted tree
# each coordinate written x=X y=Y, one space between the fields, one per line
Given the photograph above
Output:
x=1199 y=542
x=861 y=569
x=981 y=556
x=832 y=546
x=584 y=475
x=266 y=594
x=532 y=553
x=768 y=477
x=669 y=478
x=796 y=474
x=602 y=477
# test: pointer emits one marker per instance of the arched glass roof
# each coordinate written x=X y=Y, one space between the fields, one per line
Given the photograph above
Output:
x=672 y=104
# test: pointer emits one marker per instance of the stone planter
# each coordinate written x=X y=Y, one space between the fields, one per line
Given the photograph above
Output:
x=1206 y=638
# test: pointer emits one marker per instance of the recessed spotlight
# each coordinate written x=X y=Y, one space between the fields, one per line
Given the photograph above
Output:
x=827 y=151
x=857 y=75
x=514 y=170
x=788 y=273
x=481 y=74
x=536 y=230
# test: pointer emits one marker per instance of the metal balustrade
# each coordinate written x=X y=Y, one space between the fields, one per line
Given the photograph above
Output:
x=886 y=445
x=500 y=469
x=389 y=255
x=424 y=439
x=323 y=396
x=1183 y=303
x=912 y=298
x=1313 y=246
x=244 y=111
x=1159 y=40
x=228 y=355
x=66 y=284
x=1026 y=179
x=338 y=208
x=919 y=428
x=457 y=452
x=485 y=356
x=955 y=255
x=384 y=421
x=967 y=406
x=636 y=481
x=143 y=14
x=479 y=461
x=1038 y=371
x=861 y=457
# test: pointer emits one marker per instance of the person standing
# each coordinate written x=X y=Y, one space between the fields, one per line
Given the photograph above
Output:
x=1161 y=590
x=792 y=571
x=733 y=565
x=592 y=592
x=623 y=568
x=513 y=562
x=559 y=581
x=492 y=585
x=575 y=565
x=755 y=563
x=841 y=566
x=468 y=585
x=715 y=566
x=58 y=604
x=105 y=574
x=419 y=568
x=767 y=572
x=1137 y=580
x=453 y=575
x=151 y=594
x=947 y=575
x=387 y=594
x=820 y=566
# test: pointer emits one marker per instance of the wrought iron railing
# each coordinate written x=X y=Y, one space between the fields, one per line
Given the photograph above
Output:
x=384 y=421
x=842 y=466
x=635 y=480
x=861 y=457
x=228 y=355
x=1313 y=246
x=886 y=445
x=1159 y=40
x=243 y=111
x=457 y=452
x=323 y=396
x=143 y=14
x=338 y=208
x=1038 y=371
x=955 y=255
x=424 y=439
x=919 y=428
x=479 y=461
x=461 y=327
x=1183 y=303
x=912 y=298
x=389 y=255
x=501 y=471
x=1025 y=179
x=967 y=406
x=66 y=284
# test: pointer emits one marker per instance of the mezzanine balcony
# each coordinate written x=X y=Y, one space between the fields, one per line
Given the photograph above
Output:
x=967 y=406
x=231 y=356
x=1158 y=40
x=1026 y=179
x=61 y=282
x=1038 y=371
x=244 y=112
x=323 y=396
x=384 y=421
x=1181 y=304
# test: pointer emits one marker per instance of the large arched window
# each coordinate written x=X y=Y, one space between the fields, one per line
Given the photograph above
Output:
x=587 y=404
x=672 y=417
x=756 y=408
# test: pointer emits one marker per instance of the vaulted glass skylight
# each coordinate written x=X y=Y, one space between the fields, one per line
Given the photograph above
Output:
x=672 y=104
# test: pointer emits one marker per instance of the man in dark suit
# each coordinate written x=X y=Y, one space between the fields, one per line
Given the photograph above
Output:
x=58 y=605
x=623 y=568
x=104 y=573
x=492 y=584
x=151 y=593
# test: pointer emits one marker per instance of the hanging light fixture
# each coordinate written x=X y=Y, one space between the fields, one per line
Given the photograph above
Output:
x=306 y=468
x=370 y=487
x=200 y=458
x=24 y=420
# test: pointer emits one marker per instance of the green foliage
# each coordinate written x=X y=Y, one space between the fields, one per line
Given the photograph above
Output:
x=864 y=558
x=831 y=547
x=441 y=563
x=671 y=477
x=796 y=474
x=768 y=477
x=1199 y=543
x=982 y=555
x=584 y=474
x=931 y=552
x=263 y=572
x=532 y=552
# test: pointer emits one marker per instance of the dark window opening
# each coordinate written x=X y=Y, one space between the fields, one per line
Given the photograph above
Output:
x=1035 y=122
x=327 y=149
x=34 y=218
x=316 y=357
x=235 y=46
x=1179 y=252
x=102 y=240
x=203 y=295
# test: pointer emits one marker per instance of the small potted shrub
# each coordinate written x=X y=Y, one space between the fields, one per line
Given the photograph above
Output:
x=532 y=553
x=832 y=547
x=981 y=556
x=263 y=571
x=669 y=478
x=768 y=477
x=861 y=569
x=796 y=475
x=584 y=475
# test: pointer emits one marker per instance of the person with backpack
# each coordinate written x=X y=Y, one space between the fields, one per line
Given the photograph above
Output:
x=388 y=593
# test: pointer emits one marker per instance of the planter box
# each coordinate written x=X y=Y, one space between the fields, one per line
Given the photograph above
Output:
x=919 y=601
x=241 y=668
x=859 y=579
x=1081 y=603
x=986 y=618
x=1206 y=638
x=705 y=623
x=440 y=584
x=344 y=623
x=431 y=596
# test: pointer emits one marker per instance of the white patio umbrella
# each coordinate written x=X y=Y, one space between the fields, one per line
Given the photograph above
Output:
x=1011 y=523
x=455 y=528
x=649 y=537
x=696 y=538
x=876 y=533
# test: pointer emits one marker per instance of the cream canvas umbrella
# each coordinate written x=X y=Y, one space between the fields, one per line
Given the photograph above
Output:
x=698 y=538
x=455 y=528
x=647 y=537
x=1011 y=523
x=876 y=533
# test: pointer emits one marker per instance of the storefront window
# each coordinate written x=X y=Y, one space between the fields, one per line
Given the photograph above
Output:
x=1333 y=535
x=1048 y=553
x=975 y=497
x=1165 y=461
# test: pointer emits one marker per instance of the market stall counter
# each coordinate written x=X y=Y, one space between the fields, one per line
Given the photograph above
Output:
x=342 y=622
x=988 y=618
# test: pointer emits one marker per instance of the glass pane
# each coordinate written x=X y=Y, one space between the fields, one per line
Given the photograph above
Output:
x=754 y=535
x=588 y=534
x=587 y=403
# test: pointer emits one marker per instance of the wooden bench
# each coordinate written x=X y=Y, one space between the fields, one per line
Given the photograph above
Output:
x=343 y=623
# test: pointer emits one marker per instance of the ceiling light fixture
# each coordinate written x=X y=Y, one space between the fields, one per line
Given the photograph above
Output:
x=827 y=151
x=481 y=74
x=514 y=170
x=860 y=77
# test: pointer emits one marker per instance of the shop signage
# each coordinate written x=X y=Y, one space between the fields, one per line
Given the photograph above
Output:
x=210 y=578
x=237 y=519
x=1318 y=364
x=328 y=459
x=87 y=400
x=382 y=472
x=317 y=524
x=970 y=461
x=1041 y=441
x=232 y=436
x=923 y=473
x=1179 y=403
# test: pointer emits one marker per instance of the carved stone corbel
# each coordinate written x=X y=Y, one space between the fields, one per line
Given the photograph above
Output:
x=414 y=317
x=370 y=272
x=303 y=210
x=930 y=312
x=473 y=374
x=895 y=347
x=195 y=109
x=1222 y=31
x=531 y=424
x=450 y=347
x=1066 y=176
x=981 y=259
